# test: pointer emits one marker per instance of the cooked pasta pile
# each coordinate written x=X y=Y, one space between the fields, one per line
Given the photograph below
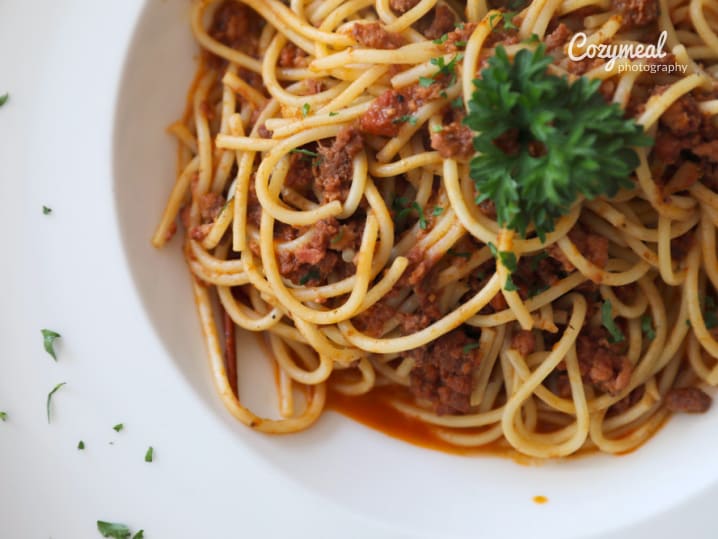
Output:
x=329 y=196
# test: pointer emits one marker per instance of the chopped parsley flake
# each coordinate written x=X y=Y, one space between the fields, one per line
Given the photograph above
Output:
x=647 y=327
x=149 y=455
x=113 y=529
x=616 y=335
x=3 y=416
x=438 y=210
x=118 y=427
x=4 y=98
x=312 y=275
x=305 y=109
x=48 y=337
x=468 y=347
x=81 y=445
x=49 y=398
x=46 y=210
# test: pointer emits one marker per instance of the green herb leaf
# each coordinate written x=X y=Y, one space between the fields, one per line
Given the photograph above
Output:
x=460 y=43
x=118 y=427
x=304 y=152
x=113 y=529
x=311 y=275
x=425 y=82
x=4 y=98
x=468 y=347
x=438 y=210
x=585 y=145
x=457 y=103
x=710 y=315
x=305 y=110
x=139 y=535
x=406 y=118
x=46 y=210
x=81 y=445
x=536 y=259
x=49 y=398
x=338 y=237
x=333 y=114
x=537 y=289
x=437 y=128
x=647 y=327
x=510 y=286
x=422 y=218
x=533 y=39
x=441 y=40
x=3 y=416
x=508 y=258
x=616 y=335
x=150 y=454
x=48 y=337
x=459 y=254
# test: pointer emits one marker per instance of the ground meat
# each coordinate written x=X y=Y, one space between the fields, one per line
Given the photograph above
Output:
x=210 y=205
x=457 y=38
x=488 y=208
x=524 y=341
x=442 y=23
x=386 y=112
x=454 y=140
x=558 y=37
x=681 y=246
x=690 y=400
x=373 y=35
x=428 y=311
x=402 y=6
x=300 y=176
x=418 y=268
x=580 y=67
x=350 y=234
x=263 y=132
x=237 y=26
x=292 y=56
x=443 y=372
x=709 y=150
x=683 y=117
x=502 y=36
x=628 y=401
x=593 y=247
x=311 y=263
x=334 y=171
x=637 y=13
x=602 y=363
x=373 y=319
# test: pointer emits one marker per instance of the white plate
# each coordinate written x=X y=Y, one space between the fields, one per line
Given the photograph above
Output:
x=93 y=84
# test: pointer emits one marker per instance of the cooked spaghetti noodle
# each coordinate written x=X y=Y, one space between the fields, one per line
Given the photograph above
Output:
x=324 y=186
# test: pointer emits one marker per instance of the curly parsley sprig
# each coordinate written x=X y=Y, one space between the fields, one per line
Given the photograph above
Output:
x=564 y=140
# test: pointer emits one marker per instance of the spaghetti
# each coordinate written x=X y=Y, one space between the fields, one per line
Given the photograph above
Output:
x=325 y=189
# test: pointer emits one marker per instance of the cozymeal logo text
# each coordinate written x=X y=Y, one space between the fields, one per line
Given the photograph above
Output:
x=579 y=48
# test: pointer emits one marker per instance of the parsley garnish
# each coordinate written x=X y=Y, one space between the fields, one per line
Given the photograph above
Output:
x=460 y=43
x=333 y=114
x=338 y=237
x=441 y=40
x=304 y=152
x=422 y=218
x=150 y=454
x=468 y=347
x=447 y=69
x=311 y=275
x=406 y=118
x=48 y=337
x=457 y=103
x=585 y=145
x=710 y=316
x=49 y=398
x=305 y=110
x=438 y=210
x=537 y=289
x=533 y=39
x=113 y=529
x=610 y=324
x=139 y=535
x=3 y=416
x=3 y=99
x=81 y=445
x=510 y=286
x=508 y=258
x=118 y=427
x=459 y=254
x=437 y=128
x=425 y=82
x=46 y=210
x=647 y=327
x=506 y=18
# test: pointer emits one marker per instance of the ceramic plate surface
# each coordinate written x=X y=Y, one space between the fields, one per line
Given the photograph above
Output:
x=92 y=86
